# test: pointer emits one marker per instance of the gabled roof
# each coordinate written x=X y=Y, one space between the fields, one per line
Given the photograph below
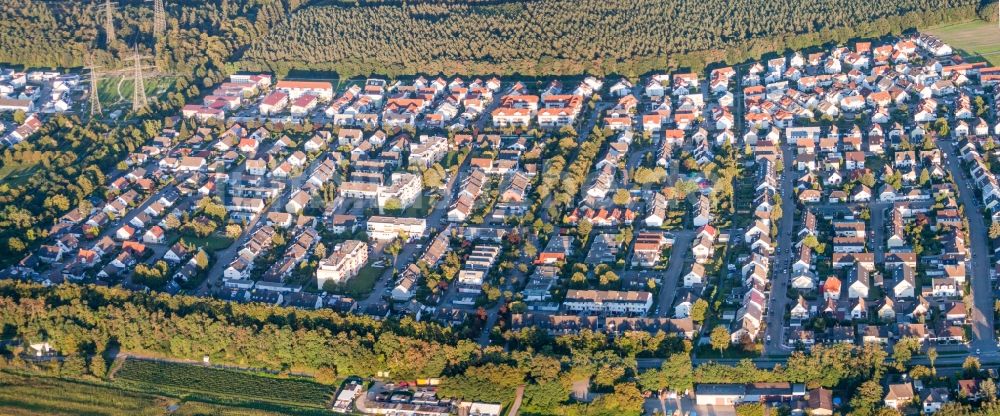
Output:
x=832 y=285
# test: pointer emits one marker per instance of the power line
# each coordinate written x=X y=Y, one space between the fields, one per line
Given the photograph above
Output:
x=109 y=24
x=159 y=19
x=95 y=99
x=139 y=100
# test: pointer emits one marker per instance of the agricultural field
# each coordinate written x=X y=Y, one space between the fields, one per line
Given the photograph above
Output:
x=200 y=409
x=116 y=91
x=292 y=396
x=21 y=395
x=36 y=395
x=976 y=39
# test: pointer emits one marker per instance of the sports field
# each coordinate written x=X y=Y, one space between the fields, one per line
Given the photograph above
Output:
x=974 y=39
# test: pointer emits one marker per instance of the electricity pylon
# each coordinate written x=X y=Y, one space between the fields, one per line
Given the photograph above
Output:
x=109 y=23
x=139 y=100
x=95 y=99
x=159 y=19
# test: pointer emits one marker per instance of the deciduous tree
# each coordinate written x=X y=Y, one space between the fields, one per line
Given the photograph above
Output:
x=719 y=338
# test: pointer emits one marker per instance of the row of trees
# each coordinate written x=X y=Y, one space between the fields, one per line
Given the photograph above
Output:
x=87 y=320
x=572 y=36
x=83 y=322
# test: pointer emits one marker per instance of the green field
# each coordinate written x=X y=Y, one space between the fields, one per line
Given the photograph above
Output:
x=38 y=395
x=117 y=91
x=233 y=388
x=974 y=39
x=361 y=285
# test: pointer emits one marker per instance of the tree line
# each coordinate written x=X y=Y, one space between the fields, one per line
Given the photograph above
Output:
x=85 y=323
x=570 y=36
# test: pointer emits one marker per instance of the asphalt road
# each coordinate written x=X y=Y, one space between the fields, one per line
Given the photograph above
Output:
x=781 y=264
x=876 y=236
x=225 y=256
x=981 y=316
x=675 y=268
x=953 y=361
x=434 y=221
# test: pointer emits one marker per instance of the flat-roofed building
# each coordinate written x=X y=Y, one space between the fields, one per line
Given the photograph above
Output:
x=388 y=228
x=608 y=301
x=343 y=263
x=295 y=89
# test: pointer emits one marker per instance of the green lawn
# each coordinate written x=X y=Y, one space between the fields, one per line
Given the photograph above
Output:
x=421 y=208
x=17 y=175
x=117 y=90
x=211 y=243
x=224 y=386
x=358 y=286
x=733 y=352
x=39 y=395
x=364 y=282
x=975 y=39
